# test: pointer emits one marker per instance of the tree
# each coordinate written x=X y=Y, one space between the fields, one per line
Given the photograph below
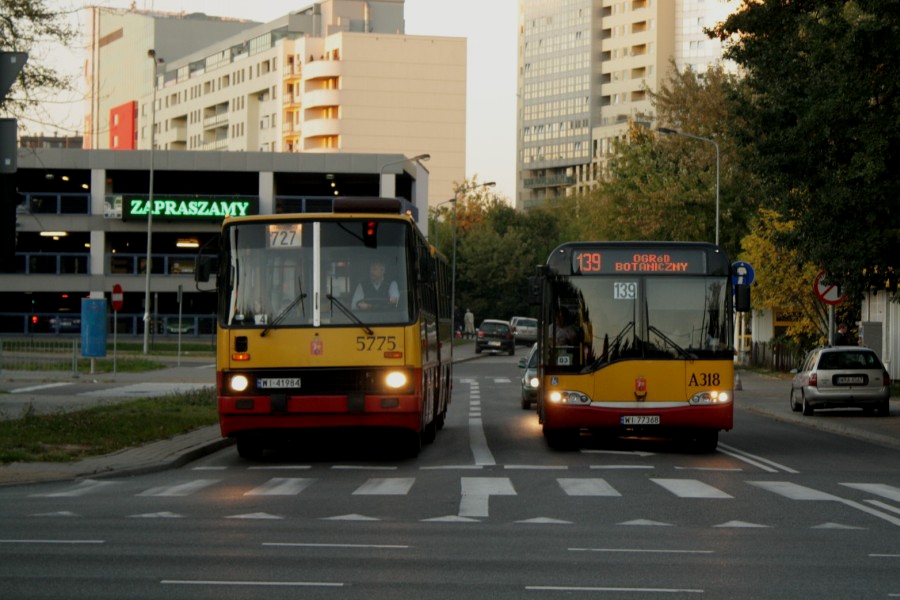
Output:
x=28 y=26
x=784 y=282
x=819 y=112
x=664 y=187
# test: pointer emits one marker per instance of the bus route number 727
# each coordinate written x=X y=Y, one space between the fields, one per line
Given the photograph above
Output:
x=378 y=343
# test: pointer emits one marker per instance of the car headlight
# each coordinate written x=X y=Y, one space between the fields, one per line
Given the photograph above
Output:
x=533 y=382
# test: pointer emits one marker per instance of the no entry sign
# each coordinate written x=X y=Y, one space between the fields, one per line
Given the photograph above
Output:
x=117 y=298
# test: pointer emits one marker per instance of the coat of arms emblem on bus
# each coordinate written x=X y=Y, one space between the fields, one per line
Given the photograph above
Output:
x=640 y=388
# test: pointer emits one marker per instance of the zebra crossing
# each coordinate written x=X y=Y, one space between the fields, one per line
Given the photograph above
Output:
x=477 y=494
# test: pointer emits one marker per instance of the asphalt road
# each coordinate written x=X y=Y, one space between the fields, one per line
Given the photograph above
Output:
x=786 y=508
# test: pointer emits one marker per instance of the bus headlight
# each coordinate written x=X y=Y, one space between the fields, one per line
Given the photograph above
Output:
x=238 y=383
x=567 y=397
x=707 y=398
x=396 y=380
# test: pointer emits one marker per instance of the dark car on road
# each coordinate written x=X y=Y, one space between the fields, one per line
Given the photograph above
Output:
x=495 y=335
x=839 y=377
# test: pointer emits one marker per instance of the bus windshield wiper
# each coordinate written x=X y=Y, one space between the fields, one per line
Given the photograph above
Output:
x=349 y=314
x=679 y=349
x=284 y=313
x=609 y=348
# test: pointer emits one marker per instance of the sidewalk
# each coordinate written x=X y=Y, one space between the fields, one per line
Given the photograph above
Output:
x=761 y=394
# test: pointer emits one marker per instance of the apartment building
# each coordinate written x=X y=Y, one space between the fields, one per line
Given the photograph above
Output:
x=338 y=76
x=584 y=70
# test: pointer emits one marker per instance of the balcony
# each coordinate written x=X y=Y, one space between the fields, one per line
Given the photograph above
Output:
x=319 y=69
x=321 y=98
x=321 y=128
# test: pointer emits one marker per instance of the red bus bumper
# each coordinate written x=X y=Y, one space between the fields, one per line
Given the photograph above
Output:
x=717 y=417
x=239 y=414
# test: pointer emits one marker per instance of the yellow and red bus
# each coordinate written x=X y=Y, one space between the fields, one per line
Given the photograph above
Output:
x=636 y=339
x=307 y=338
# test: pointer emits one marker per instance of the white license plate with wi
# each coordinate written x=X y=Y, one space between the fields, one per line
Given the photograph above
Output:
x=640 y=420
x=278 y=382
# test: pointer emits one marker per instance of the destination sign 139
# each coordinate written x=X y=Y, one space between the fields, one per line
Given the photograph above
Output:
x=606 y=261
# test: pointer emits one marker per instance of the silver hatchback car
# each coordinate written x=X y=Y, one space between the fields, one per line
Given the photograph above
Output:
x=841 y=376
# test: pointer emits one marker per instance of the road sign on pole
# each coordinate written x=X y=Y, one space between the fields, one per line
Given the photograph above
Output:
x=827 y=292
x=117 y=297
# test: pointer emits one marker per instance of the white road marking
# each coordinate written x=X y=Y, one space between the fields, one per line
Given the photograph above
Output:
x=35 y=388
x=477 y=439
x=476 y=493
x=879 y=489
x=210 y=582
x=390 y=486
x=587 y=487
x=182 y=489
x=690 y=488
x=281 y=486
x=793 y=490
x=80 y=489
x=765 y=464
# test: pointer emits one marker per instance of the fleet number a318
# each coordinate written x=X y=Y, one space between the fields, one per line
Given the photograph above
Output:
x=704 y=379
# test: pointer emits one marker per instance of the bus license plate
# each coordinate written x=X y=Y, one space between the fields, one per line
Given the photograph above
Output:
x=640 y=420
x=279 y=382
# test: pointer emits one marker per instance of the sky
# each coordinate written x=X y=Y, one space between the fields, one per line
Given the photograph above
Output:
x=489 y=26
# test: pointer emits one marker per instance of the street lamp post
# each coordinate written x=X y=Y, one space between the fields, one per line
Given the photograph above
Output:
x=156 y=61
x=416 y=158
x=669 y=131
x=455 y=232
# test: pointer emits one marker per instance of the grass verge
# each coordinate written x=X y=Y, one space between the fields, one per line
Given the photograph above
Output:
x=68 y=437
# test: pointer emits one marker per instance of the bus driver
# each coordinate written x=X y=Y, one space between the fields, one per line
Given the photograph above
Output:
x=374 y=293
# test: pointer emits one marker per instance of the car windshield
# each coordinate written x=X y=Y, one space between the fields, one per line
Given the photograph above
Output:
x=494 y=328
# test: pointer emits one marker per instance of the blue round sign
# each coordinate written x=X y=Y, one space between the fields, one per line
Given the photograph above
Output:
x=741 y=273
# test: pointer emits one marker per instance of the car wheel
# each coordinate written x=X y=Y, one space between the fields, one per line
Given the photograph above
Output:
x=794 y=406
x=477 y=350
x=807 y=407
x=526 y=403
x=512 y=350
x=884 y=408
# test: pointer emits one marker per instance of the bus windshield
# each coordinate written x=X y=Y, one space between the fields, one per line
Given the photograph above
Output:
x=312 y=273
x=595 y=321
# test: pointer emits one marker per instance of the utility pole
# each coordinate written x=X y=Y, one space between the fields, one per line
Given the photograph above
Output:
x=11 y=64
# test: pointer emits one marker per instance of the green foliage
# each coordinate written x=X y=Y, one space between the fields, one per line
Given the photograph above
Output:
x=818 y=115
x=26 y=25
x=663 y=187
x=783 y=282
x=66 y=437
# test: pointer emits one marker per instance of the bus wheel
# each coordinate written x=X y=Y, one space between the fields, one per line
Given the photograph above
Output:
x=561 y=439
x=249 y=448
x=413 y=443
x=706 y=441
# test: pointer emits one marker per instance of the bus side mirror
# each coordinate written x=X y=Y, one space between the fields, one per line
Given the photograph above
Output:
x=742 y=298
x=204 y=266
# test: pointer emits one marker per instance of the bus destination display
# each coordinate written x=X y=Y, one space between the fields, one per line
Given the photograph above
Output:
x=610 y=261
